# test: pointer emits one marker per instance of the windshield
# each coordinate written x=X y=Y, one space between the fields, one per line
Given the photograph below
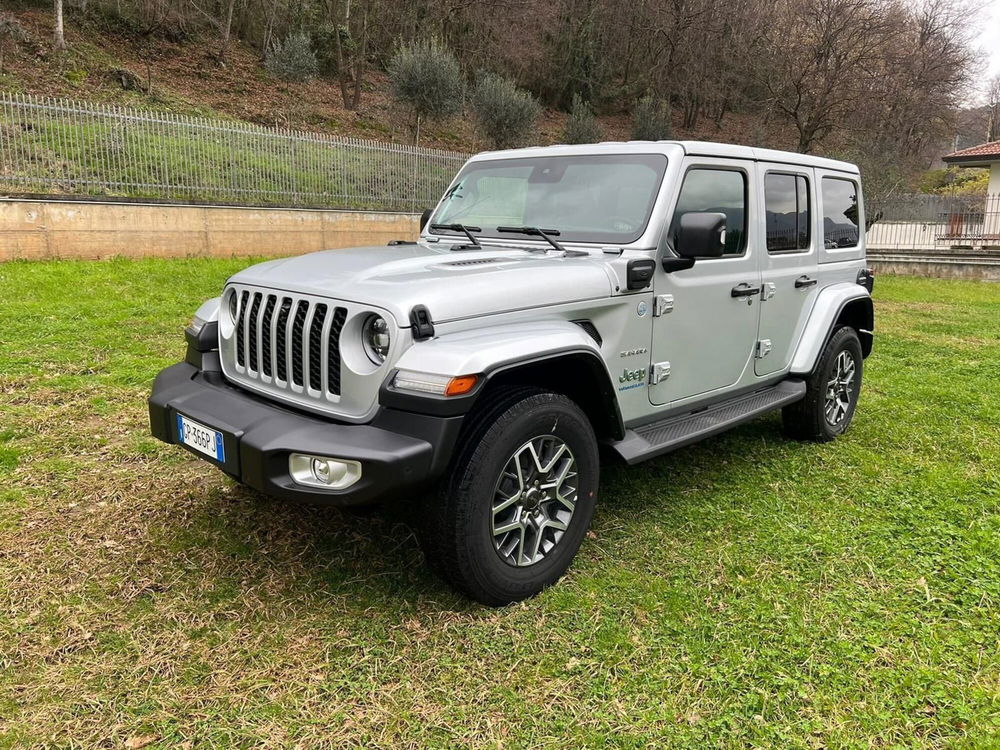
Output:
x=602 y=198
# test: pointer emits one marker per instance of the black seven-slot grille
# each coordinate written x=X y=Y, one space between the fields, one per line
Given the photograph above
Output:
x=276 y=335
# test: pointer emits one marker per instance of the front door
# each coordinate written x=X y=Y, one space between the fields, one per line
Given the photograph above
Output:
x=705 y=324
x=788 y=263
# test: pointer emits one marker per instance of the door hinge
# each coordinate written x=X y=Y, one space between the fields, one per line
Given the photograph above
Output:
x=768 y=290
x=658 y=372
x=763 y=348
x=663 y=304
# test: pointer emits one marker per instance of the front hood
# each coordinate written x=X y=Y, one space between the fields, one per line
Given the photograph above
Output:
x=451 y=284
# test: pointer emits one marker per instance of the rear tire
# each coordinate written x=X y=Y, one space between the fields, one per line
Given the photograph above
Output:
x=832 y=391
x=519 y=499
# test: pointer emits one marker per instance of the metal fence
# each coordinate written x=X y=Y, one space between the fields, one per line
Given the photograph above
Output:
x=935 y=222
x=66 y=147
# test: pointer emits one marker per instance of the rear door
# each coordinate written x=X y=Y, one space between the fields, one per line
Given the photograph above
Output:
x=706 y=335
x=788 y=262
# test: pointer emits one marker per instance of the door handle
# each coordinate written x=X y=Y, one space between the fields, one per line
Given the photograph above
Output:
x=744 y=290
x=804 y=281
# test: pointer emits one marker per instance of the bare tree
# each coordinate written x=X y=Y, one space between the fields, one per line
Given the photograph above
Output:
x=822 y=56
x=58 y=37
x=993 y=103
x=222 y=21
x=350 y=41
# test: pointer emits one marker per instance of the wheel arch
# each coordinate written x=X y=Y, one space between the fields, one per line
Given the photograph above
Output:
x=838 y=305
x=562 y=356
x=579 y=375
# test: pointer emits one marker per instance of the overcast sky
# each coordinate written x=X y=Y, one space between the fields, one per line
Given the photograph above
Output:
x=989 y=38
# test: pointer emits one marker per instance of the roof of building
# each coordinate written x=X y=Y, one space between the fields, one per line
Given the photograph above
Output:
x=978 y=156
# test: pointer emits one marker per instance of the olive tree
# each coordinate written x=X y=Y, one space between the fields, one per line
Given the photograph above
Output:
x=581 y=126
x=426 y=78
x=504 y=113
x=293 y=59
x=651 y=120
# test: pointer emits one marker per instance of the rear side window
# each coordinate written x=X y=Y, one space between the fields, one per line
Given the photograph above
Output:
x=786 y=204
x=716 y=191
x=840 y=212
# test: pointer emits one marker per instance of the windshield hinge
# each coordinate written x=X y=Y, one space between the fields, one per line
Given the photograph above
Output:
x=421 y=323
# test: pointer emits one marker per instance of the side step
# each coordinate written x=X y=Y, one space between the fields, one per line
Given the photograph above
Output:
x=657 y=438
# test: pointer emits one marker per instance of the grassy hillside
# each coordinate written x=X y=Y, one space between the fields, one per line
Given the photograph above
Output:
x=186 y=77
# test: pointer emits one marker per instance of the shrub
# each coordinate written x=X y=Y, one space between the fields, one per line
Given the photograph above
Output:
x=505 y=114
x=426 y=77
x=293 y=59
x=651 y=120
x=582 y=126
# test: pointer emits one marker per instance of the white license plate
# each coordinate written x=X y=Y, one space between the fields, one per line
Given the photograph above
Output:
x=201 y=438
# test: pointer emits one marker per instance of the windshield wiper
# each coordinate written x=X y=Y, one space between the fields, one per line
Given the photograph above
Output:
x=536 y=232
x=468 y=231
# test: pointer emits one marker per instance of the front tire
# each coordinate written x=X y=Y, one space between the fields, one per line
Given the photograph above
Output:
x=519 y=498
x=832 y=391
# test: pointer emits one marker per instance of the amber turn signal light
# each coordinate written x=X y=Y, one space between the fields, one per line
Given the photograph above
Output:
x=462 y=384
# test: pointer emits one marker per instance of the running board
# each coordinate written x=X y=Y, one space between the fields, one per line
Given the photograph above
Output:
x=657 y=438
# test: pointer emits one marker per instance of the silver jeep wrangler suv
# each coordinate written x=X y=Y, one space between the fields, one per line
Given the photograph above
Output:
x=640 y=296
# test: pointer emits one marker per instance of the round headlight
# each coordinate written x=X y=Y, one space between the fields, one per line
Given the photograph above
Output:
x=232 y=304
x=375 y=337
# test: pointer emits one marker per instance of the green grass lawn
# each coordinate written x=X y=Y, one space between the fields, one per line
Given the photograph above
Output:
x=746 y=592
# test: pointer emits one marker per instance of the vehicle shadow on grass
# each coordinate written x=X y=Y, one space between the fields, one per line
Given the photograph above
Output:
x=372 y=557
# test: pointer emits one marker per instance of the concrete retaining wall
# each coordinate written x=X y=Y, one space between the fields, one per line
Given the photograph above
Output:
x=953 y=264
x=40 y=229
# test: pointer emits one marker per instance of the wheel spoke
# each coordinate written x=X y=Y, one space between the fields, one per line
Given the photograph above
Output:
x=506 y=503
x=537 y=542
x=503 y=528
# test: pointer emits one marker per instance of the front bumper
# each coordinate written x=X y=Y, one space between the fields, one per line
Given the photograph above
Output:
x=399 y=451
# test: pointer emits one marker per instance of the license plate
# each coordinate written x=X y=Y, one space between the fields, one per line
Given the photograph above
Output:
x=203 y=439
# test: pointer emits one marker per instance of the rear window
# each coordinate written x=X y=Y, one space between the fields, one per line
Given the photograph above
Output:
x=840 y=213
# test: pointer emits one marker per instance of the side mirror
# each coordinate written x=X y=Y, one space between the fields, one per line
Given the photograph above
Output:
x=700 y=235
x=425 y=217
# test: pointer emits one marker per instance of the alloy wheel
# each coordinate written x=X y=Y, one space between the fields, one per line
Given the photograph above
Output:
x=534 y=500
x=840 y=389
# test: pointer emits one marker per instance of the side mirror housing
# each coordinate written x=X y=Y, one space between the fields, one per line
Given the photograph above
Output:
x=425 y=217
x=700 y=235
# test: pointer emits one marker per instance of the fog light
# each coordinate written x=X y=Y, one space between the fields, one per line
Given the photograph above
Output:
x=323 y=471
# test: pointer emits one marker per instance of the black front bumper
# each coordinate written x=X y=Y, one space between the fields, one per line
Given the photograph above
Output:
x=399 y=451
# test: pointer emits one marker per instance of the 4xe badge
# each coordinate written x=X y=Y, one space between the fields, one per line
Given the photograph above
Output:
x=641 y=309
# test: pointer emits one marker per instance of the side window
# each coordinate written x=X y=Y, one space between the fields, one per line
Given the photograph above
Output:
x=717 y=191
x=840 y=212
x=786 y=205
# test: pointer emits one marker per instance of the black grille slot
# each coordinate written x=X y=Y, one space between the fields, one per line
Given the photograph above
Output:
x=333 y=358
x=289 y=342
x=265 y=335
x=282 y=338
x=316 y=347
x=254 y=310
x=301 y=310
x=240 y=329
